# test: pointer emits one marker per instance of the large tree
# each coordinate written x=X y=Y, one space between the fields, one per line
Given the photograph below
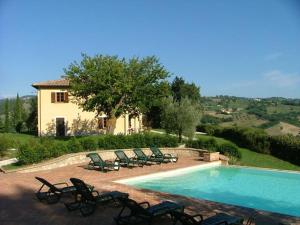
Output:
x=114 y=86
x=181 y=117
x=182 y=89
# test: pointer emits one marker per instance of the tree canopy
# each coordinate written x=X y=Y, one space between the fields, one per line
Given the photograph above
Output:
x=113 y=85
x=181 y=89
x=181 y=117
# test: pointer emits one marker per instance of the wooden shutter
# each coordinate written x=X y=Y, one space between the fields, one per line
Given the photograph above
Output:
x=66 y=97
x=52 y=97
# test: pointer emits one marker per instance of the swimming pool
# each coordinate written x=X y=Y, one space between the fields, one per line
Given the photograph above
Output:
x=270 y=190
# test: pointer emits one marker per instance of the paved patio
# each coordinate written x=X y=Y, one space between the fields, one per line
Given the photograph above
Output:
x=18 y=204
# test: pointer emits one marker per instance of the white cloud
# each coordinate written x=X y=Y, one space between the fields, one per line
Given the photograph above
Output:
x=273 y=56
x=281 y=79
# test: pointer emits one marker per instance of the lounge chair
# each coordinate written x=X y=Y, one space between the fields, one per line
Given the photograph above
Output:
x=140 y=155
x=156 y=153
x=143 y=212
x=218 y=219
x=124 y=160
x=54 y=191
x=98 y=162
x=89 y=199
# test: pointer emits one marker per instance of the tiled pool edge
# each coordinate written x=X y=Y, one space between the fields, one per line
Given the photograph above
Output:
x=169 y=173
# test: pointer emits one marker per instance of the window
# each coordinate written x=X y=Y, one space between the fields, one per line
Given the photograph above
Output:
x=59 y=97
x=102 y=123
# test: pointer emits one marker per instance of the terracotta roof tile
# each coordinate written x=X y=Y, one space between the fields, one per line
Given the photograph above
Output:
x=52 y=83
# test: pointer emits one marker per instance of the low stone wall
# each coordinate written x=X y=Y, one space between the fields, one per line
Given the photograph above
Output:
x=8 y=161
x=76 y=158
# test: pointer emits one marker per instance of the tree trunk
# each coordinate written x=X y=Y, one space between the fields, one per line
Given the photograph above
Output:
x=111 y=125
x=180 y=136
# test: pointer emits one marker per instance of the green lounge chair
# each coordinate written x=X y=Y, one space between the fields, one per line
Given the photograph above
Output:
x=98 y=162
x=156 y=153
x=54 y=191
x=124 y=160
x=144 y=213
x=218 y=219
x=140 y=155
x=89 y=199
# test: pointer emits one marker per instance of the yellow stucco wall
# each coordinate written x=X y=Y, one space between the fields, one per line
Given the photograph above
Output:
x=48 y=112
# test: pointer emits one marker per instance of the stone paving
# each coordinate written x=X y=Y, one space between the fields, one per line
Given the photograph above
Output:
x=18 y=205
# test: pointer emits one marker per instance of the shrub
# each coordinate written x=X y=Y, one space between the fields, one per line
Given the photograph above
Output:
x=212 y=130
x=57 y=149
x=74 y=145
x=136 y=140
x=286 y=147
x=89 y=143
x=45 y=148
x=31 y=152
x=252 y=138
x=5 y=143
x=207 y=144
x=229 y=149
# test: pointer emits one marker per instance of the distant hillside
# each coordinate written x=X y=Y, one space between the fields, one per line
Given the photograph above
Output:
x=25 y=99
x=276 y=115
x=283 y=128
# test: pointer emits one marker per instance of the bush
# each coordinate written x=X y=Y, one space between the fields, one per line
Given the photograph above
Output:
x=229 y=149
x=286 y=147
x=31 y=152
x=207 y=144
x=74 y=145
x=5 y=143
x=252 y=138
x=45 y=148
x=89 y=143
x=136 y=141
x=210 y=144
x=57 y=149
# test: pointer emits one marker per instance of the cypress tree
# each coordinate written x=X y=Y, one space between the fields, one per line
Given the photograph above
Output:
x=18 y=114
x=1 y=124
x=6 y=116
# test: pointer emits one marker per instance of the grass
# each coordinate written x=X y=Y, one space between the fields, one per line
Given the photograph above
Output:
x=251 y=158
x=12 y=166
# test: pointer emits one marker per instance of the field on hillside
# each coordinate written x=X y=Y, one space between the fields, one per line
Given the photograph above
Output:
x=244 y=120
x=283 y=128
x=278 y=116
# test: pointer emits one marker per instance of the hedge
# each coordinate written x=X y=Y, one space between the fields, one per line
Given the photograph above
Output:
x=285 y=147
x=210 y=144
x=40 y=149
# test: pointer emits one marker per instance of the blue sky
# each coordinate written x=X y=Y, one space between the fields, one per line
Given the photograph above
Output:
x=242 y=48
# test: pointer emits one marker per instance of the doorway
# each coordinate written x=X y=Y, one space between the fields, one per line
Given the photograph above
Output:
x=60 y=127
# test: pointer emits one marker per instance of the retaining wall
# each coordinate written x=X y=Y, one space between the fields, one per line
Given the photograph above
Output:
x=76 y=158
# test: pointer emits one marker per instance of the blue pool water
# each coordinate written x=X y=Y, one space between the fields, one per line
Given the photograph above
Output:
x=274 y=191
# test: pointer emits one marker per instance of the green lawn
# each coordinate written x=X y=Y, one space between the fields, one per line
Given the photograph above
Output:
x=19 y=138
x=12 y=166
x=250 y=158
